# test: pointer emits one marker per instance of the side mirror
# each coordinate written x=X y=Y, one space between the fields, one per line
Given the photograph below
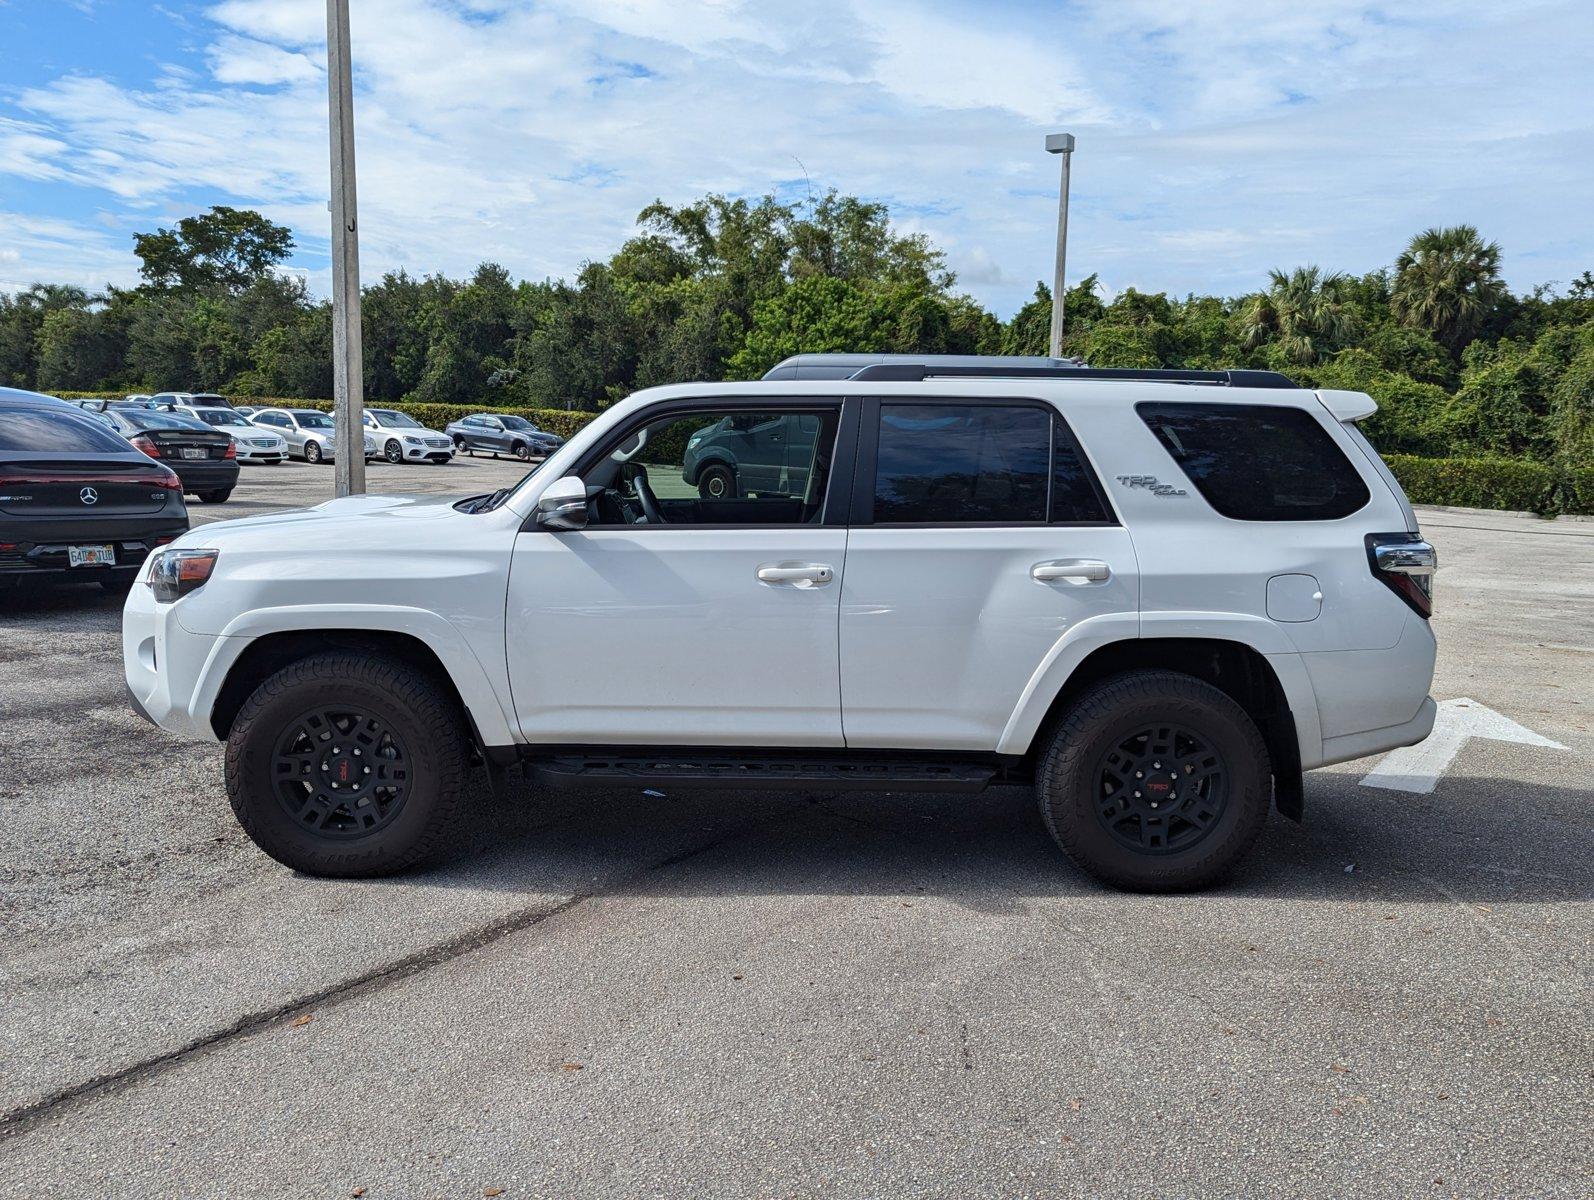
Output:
x=563 y=504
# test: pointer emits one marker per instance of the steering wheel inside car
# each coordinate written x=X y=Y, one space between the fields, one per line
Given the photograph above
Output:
x=637 y=475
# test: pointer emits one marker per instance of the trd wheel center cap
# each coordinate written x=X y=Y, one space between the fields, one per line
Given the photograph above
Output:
x=345 y=772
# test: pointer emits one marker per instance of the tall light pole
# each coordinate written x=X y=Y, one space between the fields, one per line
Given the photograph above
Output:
x=1060 y=143
x=348 y=390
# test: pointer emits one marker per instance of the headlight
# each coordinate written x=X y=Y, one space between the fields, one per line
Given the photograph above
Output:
x=175 y=573
x=414 y=441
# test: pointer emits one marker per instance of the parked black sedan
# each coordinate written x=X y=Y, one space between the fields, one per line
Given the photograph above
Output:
x=502 y=433
x=205 y=459
x=76 y=501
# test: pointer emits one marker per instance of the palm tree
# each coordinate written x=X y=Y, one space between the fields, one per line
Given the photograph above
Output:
x=1447 y=281
x=1302 y=312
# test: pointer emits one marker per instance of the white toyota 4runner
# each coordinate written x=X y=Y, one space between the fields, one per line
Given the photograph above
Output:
x=1156 y=596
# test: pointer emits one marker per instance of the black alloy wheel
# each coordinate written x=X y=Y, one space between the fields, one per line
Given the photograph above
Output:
x=341 y=772
x=1161 y=789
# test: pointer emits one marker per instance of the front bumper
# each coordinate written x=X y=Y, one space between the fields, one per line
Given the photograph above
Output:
x=163 y=664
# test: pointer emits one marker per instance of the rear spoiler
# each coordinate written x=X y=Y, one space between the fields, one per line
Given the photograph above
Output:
x=1347 y=406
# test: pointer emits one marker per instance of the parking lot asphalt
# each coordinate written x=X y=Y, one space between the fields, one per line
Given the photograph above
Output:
x=747 y=995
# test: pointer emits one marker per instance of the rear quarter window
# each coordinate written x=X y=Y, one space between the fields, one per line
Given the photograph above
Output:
x=1258 y=462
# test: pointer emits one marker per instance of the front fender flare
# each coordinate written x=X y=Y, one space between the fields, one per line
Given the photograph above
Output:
x=469 y=677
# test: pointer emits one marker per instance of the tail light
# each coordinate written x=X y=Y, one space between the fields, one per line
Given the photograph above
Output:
x=175 y=573
x=142 y=442
x=232 y=450
x=1405 y=564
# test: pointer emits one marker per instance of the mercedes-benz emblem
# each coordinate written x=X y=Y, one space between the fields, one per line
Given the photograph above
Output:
x=89 y=496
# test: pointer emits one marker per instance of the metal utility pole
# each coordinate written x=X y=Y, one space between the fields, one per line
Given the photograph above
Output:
x=348 y=390
x=1060 y=143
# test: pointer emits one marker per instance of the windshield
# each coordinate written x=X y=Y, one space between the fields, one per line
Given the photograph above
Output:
x=516 y=423
x=313 y=420
x=391 y=419
x=488 y=503
x=214 y=416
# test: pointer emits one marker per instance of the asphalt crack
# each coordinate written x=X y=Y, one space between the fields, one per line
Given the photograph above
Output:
x=20 y=1120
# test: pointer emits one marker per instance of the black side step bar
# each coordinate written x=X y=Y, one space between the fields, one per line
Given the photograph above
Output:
x=768 y=773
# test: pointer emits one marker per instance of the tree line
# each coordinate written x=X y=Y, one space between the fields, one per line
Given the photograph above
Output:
x=723 y=288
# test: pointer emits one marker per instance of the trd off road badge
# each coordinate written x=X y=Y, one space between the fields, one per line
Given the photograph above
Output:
x=1152 y=484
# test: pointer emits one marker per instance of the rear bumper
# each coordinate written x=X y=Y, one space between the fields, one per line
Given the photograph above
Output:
x=1376 y=741
x=212 y=476
x=38 y=550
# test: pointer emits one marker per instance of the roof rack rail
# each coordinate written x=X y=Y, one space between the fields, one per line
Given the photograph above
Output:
x=901 y=372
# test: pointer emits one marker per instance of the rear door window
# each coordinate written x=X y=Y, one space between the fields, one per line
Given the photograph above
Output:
x=1258 y=462
x=980 y=464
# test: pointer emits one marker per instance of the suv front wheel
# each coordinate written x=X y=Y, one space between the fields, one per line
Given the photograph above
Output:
x=1155 y=781
x=348 y=765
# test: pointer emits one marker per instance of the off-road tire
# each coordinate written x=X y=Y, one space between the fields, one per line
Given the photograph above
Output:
x=1067 y=779
x=411 y=704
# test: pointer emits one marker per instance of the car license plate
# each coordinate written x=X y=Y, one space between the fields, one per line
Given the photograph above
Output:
x=91 y=556
x=195 y=452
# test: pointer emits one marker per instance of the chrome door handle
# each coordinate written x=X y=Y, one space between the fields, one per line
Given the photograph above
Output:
x=810 y=573
x=1075 y=570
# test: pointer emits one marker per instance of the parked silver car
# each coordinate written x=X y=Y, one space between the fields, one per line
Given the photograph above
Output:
x=255 y=444
x=308 y=432
x=401 y=438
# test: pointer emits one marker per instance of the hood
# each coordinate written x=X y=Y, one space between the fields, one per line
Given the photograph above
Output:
x=362 y=517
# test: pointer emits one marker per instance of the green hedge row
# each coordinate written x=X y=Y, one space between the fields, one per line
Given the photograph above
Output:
x=1507 y=483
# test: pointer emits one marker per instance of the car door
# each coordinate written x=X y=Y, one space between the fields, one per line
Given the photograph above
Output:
x=493 y=437
x=715 y=626
x=980 y=540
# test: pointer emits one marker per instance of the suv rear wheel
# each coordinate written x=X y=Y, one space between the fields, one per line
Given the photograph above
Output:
x=348 y=765
x=1155 y=781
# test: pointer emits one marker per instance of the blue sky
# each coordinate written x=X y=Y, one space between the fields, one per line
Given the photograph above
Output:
x=1217 y=138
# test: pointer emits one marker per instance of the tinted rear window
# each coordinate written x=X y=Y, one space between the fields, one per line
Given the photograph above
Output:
x=33 y=430
x=1258 y=462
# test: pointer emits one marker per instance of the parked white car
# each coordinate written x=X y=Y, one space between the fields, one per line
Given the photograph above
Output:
x=308 y=432
x=255 y=445
x=1156 y=597
x=399 y=437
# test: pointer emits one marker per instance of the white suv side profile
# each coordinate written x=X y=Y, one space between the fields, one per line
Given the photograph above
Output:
x=1156 y=597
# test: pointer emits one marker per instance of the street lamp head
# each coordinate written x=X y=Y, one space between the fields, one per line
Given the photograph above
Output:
x=1059 y=143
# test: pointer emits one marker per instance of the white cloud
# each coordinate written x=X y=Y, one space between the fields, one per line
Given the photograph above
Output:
x=1216 y=139
x=244 y=60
